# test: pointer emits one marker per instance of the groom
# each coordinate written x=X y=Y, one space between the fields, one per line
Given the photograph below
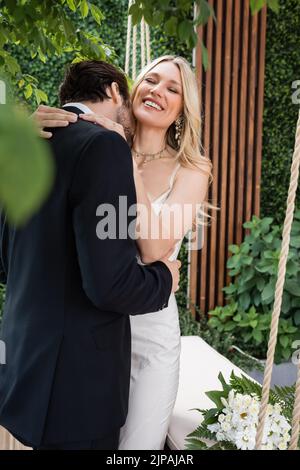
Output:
x=70 y=292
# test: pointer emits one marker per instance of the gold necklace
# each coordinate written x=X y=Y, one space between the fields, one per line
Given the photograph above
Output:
x=148 y=157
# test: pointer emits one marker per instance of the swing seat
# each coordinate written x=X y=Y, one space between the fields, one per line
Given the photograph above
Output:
x=200 y=365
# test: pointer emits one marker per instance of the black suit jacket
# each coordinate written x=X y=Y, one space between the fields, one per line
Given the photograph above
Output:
x=69 y=296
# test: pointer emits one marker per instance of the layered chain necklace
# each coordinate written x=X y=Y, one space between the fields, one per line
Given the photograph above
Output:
x=149 y=157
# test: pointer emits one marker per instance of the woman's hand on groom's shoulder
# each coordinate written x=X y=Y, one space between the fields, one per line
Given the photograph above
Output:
x=45 y=117
x=104 y=122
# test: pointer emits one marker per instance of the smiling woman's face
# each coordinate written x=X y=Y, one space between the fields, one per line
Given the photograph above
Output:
x=159 y=97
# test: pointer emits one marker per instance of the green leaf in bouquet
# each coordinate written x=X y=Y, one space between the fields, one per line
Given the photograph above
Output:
x=201 y=433
x=225 y=385
x=195 y=444
x=210 y=416
x=244 y=385
x=215 y=396
x=222 y=445
x=285 y=396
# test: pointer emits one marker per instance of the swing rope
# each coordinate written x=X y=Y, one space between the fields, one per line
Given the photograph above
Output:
x=277 y=307
x=127 y=55
x=145 y=45
x=296 y=415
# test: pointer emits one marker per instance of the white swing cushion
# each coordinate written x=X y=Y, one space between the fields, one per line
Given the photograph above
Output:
x=200 y=365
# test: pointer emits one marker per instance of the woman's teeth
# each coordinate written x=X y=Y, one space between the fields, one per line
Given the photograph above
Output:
x=152 y=105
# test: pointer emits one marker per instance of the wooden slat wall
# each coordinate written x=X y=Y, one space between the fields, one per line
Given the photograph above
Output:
x=231 y=94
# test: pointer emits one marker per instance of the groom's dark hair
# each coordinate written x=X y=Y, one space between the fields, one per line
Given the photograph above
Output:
x=88 y=81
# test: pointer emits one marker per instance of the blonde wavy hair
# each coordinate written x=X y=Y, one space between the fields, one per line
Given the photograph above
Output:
x=190 y=153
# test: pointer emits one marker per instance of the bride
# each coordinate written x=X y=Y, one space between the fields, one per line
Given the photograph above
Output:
x=169 y=171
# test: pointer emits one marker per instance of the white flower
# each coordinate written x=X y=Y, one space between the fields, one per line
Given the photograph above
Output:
x=277 y=408
x=213 y=427
x=225 y=426
x=238 y=423
x=282 y=445
x=243 y=442
x=224 y=401
x=268 y=446
x=220 y=436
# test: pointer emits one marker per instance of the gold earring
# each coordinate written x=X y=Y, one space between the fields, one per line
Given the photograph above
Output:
x=178 y=129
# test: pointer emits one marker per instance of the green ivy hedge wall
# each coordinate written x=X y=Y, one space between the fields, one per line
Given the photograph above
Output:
x=280 y=113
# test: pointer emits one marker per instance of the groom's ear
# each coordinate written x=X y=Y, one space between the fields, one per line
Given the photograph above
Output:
x=115 y=94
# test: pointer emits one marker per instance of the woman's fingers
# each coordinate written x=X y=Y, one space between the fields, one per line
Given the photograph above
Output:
x=49 y=110
x=45 y=116
x=99 y=119
x=46 y=135
x=94 y=118
x=61 y=116
x=55 y=117
x=105 y=122
x=53 y=123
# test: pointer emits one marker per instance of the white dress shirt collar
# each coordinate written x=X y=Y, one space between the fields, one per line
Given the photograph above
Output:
x=85 y=109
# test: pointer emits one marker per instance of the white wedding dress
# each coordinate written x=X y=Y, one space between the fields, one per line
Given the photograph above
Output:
x=154 y=368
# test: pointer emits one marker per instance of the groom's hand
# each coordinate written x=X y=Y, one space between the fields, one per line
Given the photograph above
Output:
x=174 y=267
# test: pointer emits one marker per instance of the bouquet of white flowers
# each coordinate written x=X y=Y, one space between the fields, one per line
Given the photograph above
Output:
x=232 y=423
